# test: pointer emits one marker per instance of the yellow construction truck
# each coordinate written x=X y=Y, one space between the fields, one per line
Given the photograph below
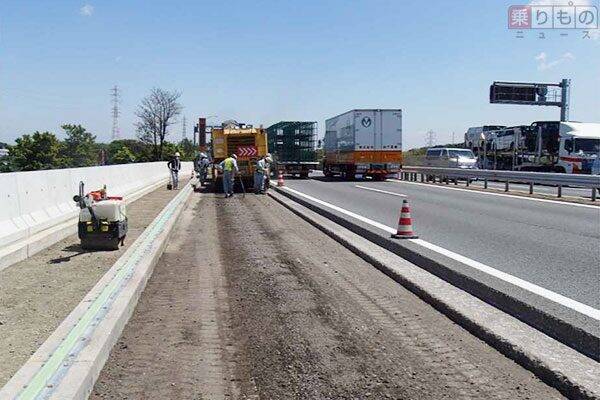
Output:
x=245 y=141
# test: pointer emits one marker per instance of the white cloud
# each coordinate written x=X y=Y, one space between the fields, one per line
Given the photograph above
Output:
x=544 y=64
x=86 y=10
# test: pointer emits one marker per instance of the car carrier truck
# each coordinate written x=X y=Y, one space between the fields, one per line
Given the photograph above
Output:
x=543 y=146
x=293 y=146
x=247 y=142
x=366 y=142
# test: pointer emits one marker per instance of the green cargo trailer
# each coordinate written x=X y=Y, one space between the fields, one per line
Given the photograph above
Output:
x=293 y=146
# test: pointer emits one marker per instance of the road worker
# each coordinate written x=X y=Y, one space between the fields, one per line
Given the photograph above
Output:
x=230 y=168
x=201 y=163
x=175 y=166
x=261 y=172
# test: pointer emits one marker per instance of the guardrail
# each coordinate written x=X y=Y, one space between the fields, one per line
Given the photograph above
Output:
x=591 y=182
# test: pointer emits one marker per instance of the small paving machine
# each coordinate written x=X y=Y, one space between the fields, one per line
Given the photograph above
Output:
x=102 y=220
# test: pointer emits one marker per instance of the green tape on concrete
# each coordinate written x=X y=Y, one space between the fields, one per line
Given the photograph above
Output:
x=40 y=380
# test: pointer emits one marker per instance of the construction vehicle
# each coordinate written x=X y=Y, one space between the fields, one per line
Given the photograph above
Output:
x=102 y=220
x=365 y=143
x=293 y=146
x=245 y=141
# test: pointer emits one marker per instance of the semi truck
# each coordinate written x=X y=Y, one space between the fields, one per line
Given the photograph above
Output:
x=245 y=141
x=543 y=146
x=363 y=142
x=293 y=147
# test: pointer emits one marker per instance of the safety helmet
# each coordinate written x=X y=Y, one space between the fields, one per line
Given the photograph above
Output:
x=234 y=156
x=202 y=155
x=177 y=154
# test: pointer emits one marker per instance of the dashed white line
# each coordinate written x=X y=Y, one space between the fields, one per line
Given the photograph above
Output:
x=380 y=191
x=531 y=287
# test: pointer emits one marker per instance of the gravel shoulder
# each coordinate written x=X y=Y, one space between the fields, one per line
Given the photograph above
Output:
x=250 y=301
x=38 y=293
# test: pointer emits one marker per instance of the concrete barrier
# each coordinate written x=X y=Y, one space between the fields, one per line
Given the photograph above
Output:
x=37 y=208
x=68 y=363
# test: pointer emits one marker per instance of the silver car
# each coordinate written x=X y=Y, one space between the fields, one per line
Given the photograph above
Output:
x=450 y=158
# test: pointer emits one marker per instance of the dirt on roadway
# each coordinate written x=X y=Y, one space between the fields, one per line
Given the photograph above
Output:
x=38 y=293
x=249 y=301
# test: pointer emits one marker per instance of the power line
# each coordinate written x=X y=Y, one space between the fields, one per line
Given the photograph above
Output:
x=430 y=138
x=115 y=100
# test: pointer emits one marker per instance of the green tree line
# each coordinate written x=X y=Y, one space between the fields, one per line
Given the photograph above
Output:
x=156 y=113
x=79 y=148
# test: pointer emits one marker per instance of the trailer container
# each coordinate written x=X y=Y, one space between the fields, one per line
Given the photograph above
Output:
x=293 y=146
x=365 y=142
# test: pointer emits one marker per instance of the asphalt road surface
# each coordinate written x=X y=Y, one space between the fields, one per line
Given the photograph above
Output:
x=555 y=246
x=250 y=301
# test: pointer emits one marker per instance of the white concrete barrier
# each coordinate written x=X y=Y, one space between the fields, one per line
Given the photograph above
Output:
x=37 y=207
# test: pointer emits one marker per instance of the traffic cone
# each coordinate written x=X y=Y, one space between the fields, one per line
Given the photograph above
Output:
x=405 y=229
x=280 y=179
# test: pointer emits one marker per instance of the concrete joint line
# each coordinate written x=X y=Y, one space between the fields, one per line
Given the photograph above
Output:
x=67 y=364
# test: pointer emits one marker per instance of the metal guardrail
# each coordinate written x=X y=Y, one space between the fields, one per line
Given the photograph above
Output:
x=531 y=178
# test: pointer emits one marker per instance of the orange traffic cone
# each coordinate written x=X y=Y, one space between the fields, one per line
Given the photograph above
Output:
x=280 y=179
x=405 y=229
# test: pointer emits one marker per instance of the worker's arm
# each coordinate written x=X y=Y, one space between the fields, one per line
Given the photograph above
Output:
x=221 y=165
x=235 y=166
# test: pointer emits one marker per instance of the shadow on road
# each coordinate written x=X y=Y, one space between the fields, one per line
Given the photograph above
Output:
x=71 y=248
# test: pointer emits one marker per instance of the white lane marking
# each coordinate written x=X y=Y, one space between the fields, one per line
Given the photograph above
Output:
x=531 y=287
x=380 y=191
x=564 y=203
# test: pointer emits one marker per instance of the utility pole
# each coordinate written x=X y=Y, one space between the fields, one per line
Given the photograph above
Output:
x=115 y=100
x=452 y=137
x=565 y=86
x=430 y=138
x=183 y=128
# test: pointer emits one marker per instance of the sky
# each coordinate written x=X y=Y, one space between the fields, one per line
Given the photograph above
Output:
x=264 y=61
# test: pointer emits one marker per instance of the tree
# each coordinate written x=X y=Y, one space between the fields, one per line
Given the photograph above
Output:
x=79 y=148
x=37 y=151
x=186 y=148
x=141 y=151
x=170 y=149
x=156 y=113
x=123 y=156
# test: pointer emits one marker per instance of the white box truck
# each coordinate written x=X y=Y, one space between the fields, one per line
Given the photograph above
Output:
x=365 y=142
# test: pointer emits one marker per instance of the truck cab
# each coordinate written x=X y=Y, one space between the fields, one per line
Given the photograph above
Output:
x=579 y=147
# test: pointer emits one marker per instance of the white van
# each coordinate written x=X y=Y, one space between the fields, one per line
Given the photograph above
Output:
x=450 y=158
